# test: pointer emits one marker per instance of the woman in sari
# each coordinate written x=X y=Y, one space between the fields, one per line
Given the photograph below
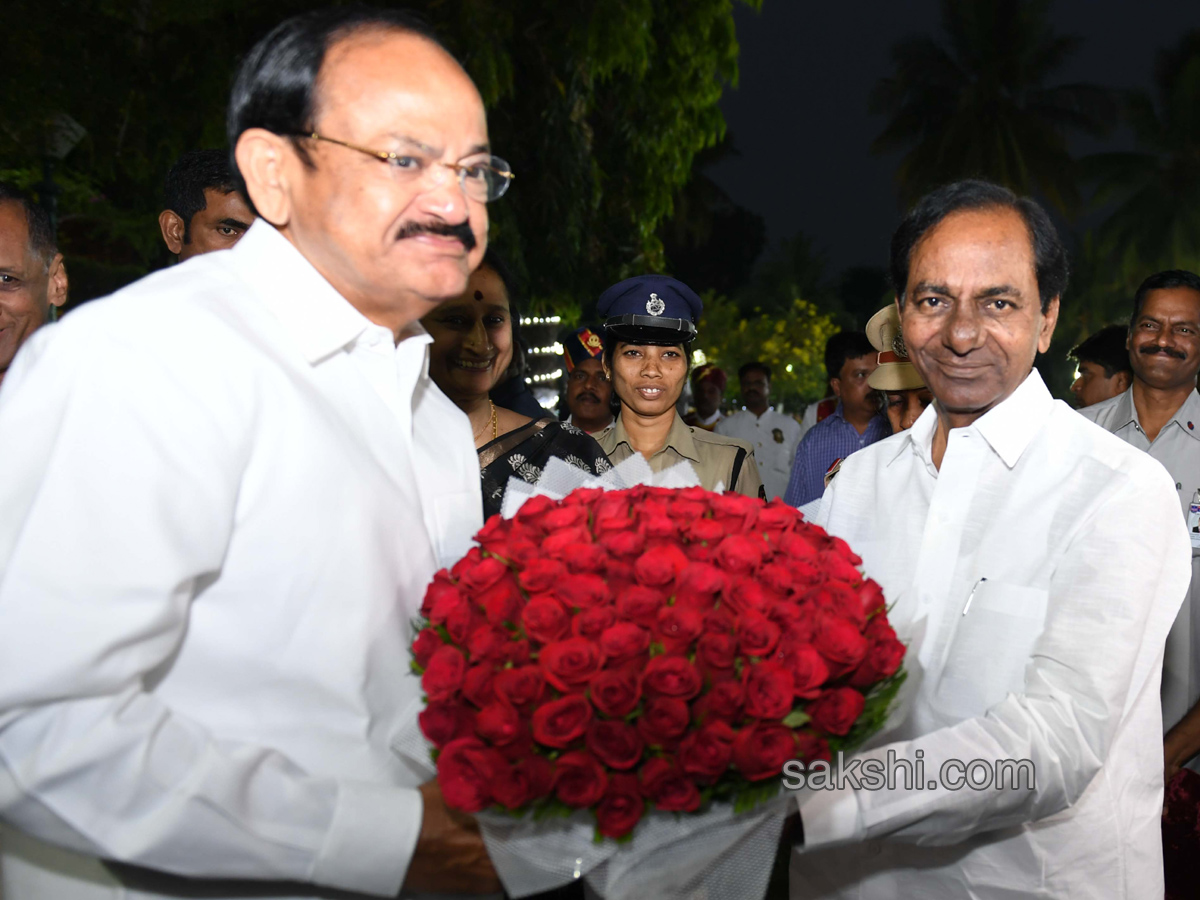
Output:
x=649 y=329
x=473 y=345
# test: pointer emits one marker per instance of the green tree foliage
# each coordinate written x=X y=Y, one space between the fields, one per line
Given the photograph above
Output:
x=981 y=103
x=600 y=106
x=791 y=341
x=1154 y=191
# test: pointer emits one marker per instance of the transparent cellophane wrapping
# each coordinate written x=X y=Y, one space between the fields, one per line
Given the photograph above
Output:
x=714 y=854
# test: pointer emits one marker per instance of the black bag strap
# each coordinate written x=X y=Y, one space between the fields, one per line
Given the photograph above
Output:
x=737 y=468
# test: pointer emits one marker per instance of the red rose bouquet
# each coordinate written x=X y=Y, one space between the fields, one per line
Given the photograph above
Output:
x=646 y=649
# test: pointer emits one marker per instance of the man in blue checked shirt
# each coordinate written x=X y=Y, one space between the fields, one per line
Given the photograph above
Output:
x=856 y=423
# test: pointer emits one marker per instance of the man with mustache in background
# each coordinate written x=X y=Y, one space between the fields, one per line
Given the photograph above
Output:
x=1160 y=414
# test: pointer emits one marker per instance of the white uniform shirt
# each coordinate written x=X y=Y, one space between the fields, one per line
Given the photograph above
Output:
x=1056 y=661
x=213 y=536
x=774 y=437
x=1177 y=447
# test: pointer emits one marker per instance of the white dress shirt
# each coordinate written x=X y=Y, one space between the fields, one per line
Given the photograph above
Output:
x=1057 y=659
x=214 y=531
x=1177 y=447
x=774 y=437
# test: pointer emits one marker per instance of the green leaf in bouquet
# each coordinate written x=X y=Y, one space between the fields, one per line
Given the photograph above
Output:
x=796 y=718
x=874 y=714
x=553 y=808
x=416 y=667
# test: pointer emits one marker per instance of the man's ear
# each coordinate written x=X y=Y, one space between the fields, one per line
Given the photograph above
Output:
x=56 y=294
x=1124 y=380
x=835 y=385
x=262 y=158
x=170 y=223
x=1049 y=320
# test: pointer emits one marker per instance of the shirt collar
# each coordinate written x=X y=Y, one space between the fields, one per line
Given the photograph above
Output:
x=1189 y=411
x=679 y=438
x=310 y=309
x=1008 y=428
x=1124 y=412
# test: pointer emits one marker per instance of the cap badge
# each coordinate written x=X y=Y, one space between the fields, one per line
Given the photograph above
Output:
x=655 y=305
x=593 y=340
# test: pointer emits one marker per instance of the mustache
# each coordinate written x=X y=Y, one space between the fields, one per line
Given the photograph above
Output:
x=587 y=395
x=462 y=231
x=1152 y=349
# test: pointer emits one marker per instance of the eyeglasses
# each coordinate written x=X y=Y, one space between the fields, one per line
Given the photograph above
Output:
x=484 y=180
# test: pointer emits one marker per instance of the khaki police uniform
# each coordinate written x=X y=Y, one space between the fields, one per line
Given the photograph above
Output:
x=713 y=456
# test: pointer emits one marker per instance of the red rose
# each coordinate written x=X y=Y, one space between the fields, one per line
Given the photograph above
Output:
x=777 y=516
x=517 y=652
x=840 y=642
x=526 y=780
x=878 y=627
x=756 y=634
x=612 y=510
x=839 y=600
x=625 y=544
x=583 y=591
x=660 y=526
x=521 y=552
x=738 y=554
x=586 y=559
x=498 y=724
x=615 y=693
x=663 y=721
x=705 y=531
x=425 y=645
x=557 y=544
x=809 y=669
x=760 y=751
x=558 y=723
x=467 y=772
x=836 y=710
x=723 y=701
x=619 y=572
x=478 y=684
x=678 y=625
x=659 y=568
x=843 y=549
x=706 y=753
x=639 y=604
x=778 y=577
x=591 y=623
x=883 y=659
x=444 y=675
x=443 y=722
x=565 y=517
x=579 y=780
x=719 y=621
x=483 y=574
x=545 y=620
x=798 y=546
x=795 y=622
x=735 y=511
x=520 y=686
x=716 y=651
x=531 y=512
x=487 y=643
x=542 y=575
x=768 y=691
x=449 y=599
x=839 y=570
x=668 y=787
x=624 y=640
x=615 y=743
x=461 y=621
x=438 y=588
x=473 y=558
x=671 y=676
x=870 y=595
x=621 y=808
x=569 y=664
x=745 y=594
x=810 y=747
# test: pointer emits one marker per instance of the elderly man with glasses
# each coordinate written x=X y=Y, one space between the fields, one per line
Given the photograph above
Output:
x=218 y=521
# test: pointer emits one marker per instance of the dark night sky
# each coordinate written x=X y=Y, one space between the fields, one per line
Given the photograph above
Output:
x=799 y=115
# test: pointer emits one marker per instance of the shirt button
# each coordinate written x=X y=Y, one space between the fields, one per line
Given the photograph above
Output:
x=1178 y=486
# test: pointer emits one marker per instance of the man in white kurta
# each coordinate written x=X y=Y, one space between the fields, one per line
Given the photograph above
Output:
x=218 y=515
x=1035 y=565
x=772 y=434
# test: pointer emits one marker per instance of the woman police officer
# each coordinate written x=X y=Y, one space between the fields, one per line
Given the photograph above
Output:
x=649 y=326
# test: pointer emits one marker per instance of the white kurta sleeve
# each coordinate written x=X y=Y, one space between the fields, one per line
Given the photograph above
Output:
x=118 y=491
x=1112 y=597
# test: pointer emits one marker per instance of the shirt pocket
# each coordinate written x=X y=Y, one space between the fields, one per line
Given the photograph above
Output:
x=990 y=649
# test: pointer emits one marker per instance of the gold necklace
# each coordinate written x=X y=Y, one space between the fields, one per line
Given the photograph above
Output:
x=495 y=429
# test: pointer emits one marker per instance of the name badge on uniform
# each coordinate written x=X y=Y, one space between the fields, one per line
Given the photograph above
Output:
x=1193 y=520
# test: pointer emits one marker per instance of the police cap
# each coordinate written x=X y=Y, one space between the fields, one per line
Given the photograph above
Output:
x=652 y=309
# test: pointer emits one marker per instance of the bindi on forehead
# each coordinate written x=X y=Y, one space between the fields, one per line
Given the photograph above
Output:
x=479 y=295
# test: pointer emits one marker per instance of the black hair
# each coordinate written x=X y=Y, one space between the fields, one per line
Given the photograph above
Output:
x=843 y=346
x=1049 y=254
x=1159 y=281
x=1105 y=348
x=37 y=221
x=755 y=366
x=276 y=84
x=191 y=175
